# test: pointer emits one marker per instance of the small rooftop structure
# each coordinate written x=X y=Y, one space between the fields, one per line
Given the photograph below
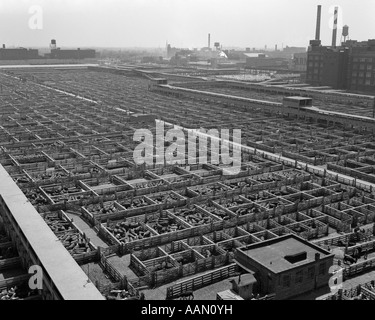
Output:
x=287 y=266
x=228 y=295
x=297 y=102
x=142 y=117
x=244 y=280
x=274 y=254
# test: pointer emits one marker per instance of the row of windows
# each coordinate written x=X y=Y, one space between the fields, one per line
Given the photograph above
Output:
x=312 y=77
x=369 y=60
x=299 y=275
x=362 y=66
x=362 y=82
x=316 y=57
x=316 y=64
x=362 y=74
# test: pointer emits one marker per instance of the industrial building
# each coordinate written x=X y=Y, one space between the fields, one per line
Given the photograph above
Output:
x=361 y=66
x=299 y=62
x=262 y=61
x=77 y=54
x=286 y=266
x=18 y=54
x=348 y=66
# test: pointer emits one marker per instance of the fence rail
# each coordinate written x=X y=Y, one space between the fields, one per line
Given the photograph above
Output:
x=201 y=281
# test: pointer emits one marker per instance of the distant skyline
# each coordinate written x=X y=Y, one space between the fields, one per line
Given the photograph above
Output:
x=183 y=23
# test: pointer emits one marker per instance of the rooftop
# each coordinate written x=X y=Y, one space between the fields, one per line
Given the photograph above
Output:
x=245 y=279
x=271 y=253
x=296 y=98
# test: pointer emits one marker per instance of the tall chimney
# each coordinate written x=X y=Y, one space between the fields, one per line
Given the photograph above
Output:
x=334 y=34
x=318 y=19
x=209 y=40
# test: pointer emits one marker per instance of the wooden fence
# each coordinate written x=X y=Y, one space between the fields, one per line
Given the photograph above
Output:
x=358 y=267
x=201 y=281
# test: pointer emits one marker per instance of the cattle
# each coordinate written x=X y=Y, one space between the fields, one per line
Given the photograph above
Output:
x=187 y=295
x=350 y=259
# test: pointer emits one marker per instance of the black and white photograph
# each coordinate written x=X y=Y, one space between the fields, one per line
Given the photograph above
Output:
x=196 y=157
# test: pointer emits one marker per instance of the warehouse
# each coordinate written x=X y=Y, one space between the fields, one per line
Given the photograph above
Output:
x=18 y=54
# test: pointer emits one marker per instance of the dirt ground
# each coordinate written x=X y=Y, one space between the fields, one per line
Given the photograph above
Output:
x=96 y=274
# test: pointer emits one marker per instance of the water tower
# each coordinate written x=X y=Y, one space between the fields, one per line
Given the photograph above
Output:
x=345 y=32
x=53 y=44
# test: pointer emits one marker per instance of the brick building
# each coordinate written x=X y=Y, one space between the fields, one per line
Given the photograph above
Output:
x=348 y=67
x=287 y=266
x=361 y=66
x=72 y=54
x=18 y=54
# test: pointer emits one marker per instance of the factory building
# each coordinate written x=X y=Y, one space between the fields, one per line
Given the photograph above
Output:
x=72 y=54
x=361 y=66
x=327 y=66
x=18 y=54
x=287 y=266
x=262 y=61
x=349 y=66
x=299 y=62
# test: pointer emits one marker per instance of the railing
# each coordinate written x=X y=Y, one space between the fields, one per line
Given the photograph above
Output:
x=201 y=281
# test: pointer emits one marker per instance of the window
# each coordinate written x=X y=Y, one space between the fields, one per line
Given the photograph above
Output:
x=368 y=82
x=368 y=74
x=286 y=281
x=362 y=67
x=299 y=276
x=369 y=67
x=322 y=268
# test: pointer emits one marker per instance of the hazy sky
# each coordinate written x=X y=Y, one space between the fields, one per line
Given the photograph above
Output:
x=184 y=23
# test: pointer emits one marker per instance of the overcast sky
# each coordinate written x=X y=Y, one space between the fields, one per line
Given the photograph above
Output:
x=184 y=23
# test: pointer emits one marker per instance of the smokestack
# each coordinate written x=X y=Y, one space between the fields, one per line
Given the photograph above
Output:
x=275 y=47
x=3 y=46
x=318 y=19
x=209 y=40
x=334 y=34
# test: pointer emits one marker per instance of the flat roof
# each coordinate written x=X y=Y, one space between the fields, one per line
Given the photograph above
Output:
x=271 y=253
x=229 y=295
x=297 y=98
x=245 y=279
x=67 y=276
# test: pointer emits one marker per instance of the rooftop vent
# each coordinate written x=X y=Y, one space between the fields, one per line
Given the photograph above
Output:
x=298 y=257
